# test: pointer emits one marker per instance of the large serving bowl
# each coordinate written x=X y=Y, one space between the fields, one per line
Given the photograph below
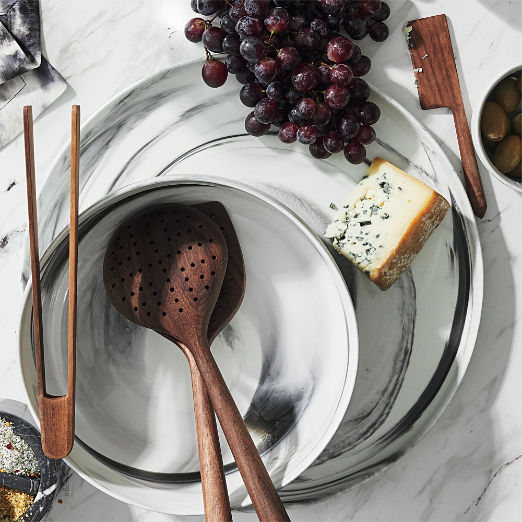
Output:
x=289 y=356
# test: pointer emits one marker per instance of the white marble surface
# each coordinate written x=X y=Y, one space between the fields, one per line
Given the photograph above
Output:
x=469 y=466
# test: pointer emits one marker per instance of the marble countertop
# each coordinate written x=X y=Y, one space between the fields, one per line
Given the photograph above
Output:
x=469 y=465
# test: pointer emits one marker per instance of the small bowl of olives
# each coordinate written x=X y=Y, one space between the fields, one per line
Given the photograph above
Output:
x=497 y=128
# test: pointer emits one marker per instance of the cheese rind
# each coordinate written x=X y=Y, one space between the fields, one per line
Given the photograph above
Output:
x=387 y=220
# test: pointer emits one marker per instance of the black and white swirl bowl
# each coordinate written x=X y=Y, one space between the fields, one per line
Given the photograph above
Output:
x=416 y=339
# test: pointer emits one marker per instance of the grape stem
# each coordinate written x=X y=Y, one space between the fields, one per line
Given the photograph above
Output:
x=219 y=13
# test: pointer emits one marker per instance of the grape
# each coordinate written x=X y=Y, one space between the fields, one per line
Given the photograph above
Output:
x=227 y=24
x=322 y=114
x=341 y=74
x=231 y=44
x=324 y=78
x=252 y=49
x=214 y=73
x=266 y=70
x=288 y=132
x=237 y=11
x=277 y=20
x=194 y=29
x=362 y=67
x=331 y=6
x=281 y=118
x=255 y=127
x=320 y=27
x=251 y=93
x=366 y=135
x=307 y=40
x=334 y=22
x=289 y=58
x=349 y=127
x=276 y=92
x=333 y=142
x=383 y=13
x=368 y=113
x=245 y=77
x=296 y=22
x=305 y=108
x=292 y=96
x=357 y=28
x=318 y=150
x=378 y=31
x=258 y=8
x=356 y=56
x=369 y=7
x=359 y=89
x=354 y=152
x=206 y=7
x=307 y=134
x=213 y=39
x=249 y=26
x=293 y=117
x=336 y=96
x=266 y=111
x=305 y=77
x=339 y=49
x=235 y=64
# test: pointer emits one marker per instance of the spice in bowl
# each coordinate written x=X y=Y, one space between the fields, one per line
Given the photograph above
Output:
x=16 y=458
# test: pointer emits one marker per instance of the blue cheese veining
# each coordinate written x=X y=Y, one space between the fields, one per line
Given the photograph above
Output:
x=387 y=219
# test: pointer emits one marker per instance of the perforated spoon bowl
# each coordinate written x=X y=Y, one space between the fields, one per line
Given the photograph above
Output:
x=164 y=270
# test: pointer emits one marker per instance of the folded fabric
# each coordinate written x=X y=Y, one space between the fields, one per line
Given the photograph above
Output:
x=26 y=78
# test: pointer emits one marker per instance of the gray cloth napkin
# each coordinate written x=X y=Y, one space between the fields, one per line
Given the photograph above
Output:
x=26 y=77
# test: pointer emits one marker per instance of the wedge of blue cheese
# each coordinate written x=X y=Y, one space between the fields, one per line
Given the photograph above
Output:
x=387 y=220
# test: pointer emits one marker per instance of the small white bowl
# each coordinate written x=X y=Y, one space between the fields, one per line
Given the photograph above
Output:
x=289 y=355
x=477 y=135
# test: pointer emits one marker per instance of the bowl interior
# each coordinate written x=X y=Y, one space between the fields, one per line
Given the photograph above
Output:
x=284 y=356
x=484 y=152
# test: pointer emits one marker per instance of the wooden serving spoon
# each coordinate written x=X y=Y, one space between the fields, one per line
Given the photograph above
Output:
x=164 y=270
x=215 y=495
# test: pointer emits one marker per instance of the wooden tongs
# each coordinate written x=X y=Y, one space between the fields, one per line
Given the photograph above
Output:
x=56 y=413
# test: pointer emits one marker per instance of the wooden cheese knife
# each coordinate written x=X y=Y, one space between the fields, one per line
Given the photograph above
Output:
x=434 y=66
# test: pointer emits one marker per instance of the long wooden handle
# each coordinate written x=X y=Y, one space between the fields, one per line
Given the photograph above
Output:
x=213 y=483
x=56 y=413
x=473 y=182
x=33 y=247
x=263 y=494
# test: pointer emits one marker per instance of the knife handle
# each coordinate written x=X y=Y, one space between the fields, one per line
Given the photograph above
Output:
x=473 y=183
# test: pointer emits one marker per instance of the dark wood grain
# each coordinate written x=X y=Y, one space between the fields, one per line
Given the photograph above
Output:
x=438 y=85
x=164 y=269
x=56 y=413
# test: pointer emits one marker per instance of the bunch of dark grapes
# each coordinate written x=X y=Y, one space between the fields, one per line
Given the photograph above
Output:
x=300 y=68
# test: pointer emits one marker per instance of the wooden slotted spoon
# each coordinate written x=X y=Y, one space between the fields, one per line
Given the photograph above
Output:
x=164 y=270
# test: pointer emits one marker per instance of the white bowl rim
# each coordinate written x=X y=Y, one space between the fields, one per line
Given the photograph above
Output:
x=344 y=296
x=477 y=135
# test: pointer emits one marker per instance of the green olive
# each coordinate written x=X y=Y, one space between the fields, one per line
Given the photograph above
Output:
x=507 y=94
x=519 y=82
x=507 y=154
x=516 y=173
x=516 y=123
x=493 y=123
